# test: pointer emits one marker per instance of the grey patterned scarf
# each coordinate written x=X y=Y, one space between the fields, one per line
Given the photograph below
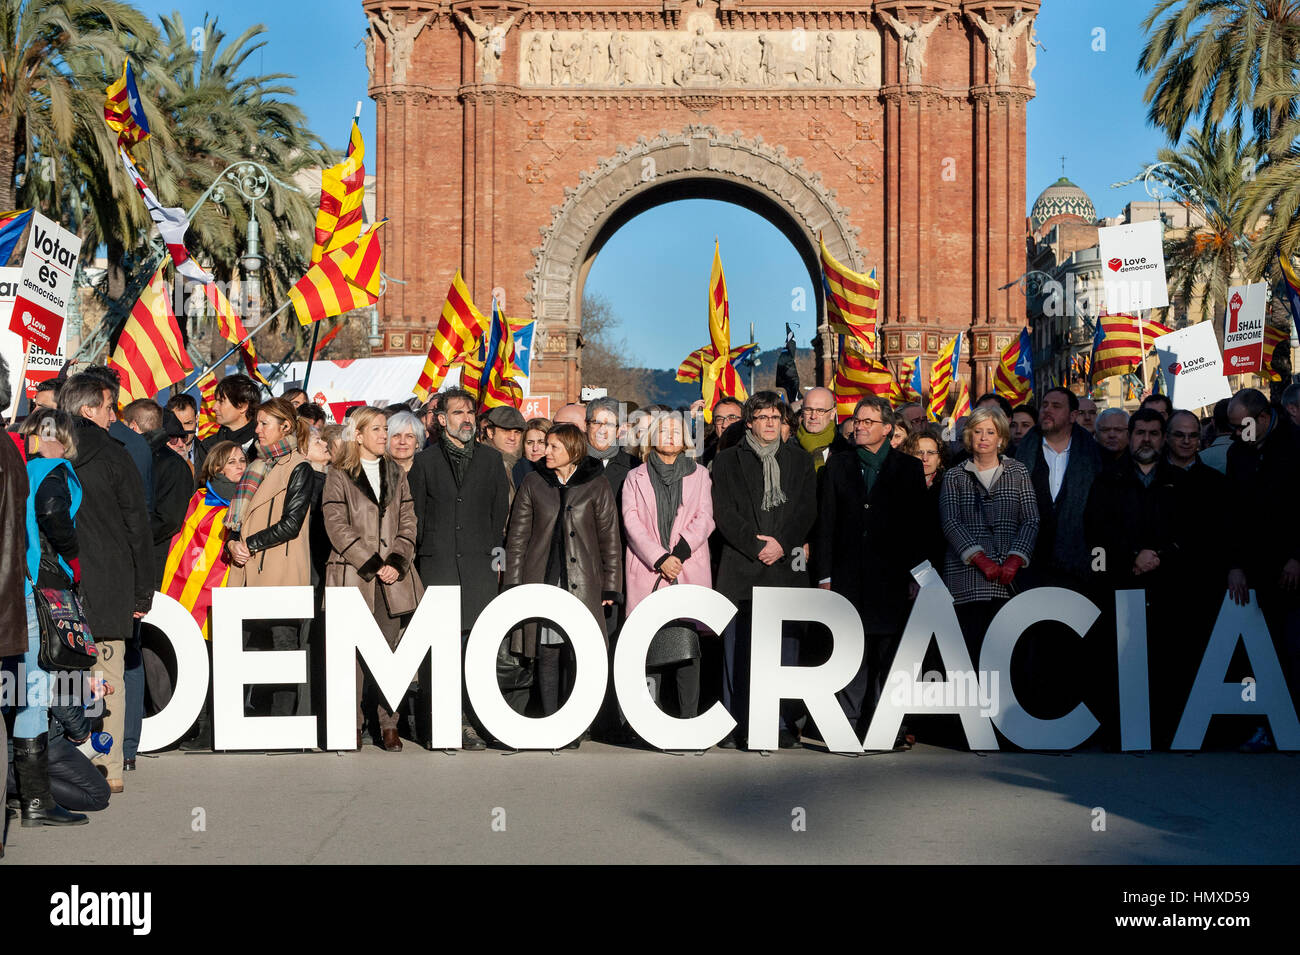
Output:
x=458 y=458
x=666 y=480
x=772 y=494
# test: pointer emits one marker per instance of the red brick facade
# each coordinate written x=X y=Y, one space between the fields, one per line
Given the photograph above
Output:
x=515 y=155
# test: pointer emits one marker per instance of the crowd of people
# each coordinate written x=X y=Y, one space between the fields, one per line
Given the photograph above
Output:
x=612 y=506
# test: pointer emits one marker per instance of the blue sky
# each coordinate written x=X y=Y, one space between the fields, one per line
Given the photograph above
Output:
x=655 y=270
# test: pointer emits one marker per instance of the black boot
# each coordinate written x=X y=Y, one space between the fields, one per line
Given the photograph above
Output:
x=32 y=767
x=202 y=740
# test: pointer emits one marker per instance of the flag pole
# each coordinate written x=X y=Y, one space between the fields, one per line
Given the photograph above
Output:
x=1142 y=346
x=235 y=347
x=315 y=326
x=751 y=363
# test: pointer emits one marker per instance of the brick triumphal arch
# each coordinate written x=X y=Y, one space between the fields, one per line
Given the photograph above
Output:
x=514 y=138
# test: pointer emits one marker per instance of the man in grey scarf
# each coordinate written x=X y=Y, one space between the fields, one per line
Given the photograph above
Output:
x=764 y=504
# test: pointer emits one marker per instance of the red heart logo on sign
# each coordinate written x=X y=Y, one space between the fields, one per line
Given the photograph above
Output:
x=1114 y=264
x=1176 y=367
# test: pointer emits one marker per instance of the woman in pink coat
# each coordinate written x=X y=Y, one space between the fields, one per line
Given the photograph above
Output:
x=668 y=517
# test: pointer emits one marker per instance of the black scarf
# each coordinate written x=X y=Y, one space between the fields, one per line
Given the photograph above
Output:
x=458 y=458
x=666 y=480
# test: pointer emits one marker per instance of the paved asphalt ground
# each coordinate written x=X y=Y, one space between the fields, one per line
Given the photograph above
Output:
x=604 y=804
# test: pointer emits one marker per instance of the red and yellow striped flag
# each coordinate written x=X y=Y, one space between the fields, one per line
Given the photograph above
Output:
x=909 y=378
x=1273 y=336
x=344 y=279
x=962 y=408
x=460 y=327
x=150 y=354
x=194 y=561
x=1121 y=344
x=718 y=378
x=692 y=366
x=942 y=373
x=1010 y=379
x=207 y=424
x=719 y=306
x=857 y=374
x=852 y=300
x=124 y=111
x=232 y=330
x=342 y=189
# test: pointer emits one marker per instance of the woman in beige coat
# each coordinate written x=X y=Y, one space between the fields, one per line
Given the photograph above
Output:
x=369 y=516
x=267 y=521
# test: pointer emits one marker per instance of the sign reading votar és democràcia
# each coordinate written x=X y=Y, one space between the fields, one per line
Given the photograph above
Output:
x=1193 y=367
x=982 y=699
x=45 y=287
x=1133 y=266
x=1243 y=329
x=40 y=364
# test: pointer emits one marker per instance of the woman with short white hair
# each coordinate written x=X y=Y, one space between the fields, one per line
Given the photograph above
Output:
x=406 y=434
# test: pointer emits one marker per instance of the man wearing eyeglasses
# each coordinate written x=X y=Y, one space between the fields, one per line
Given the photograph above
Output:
x=764 y=505
x=817 y=432
x=865 y=543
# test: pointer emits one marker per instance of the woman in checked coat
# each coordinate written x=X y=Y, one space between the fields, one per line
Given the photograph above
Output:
x=990 y=520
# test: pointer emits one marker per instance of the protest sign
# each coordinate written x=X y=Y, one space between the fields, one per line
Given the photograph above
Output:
x=45 y=287
x=1192 y=366
x=1134 y=267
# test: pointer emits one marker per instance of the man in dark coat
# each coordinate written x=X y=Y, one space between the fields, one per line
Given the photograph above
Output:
x=1263 y=474
x=13 y=549
x=117 y=572
x=172 y=482
x=462 y=501
x=603 y=445
x=866 y=542
x=1063 y=461
x=764 y=505
x=135 y=445
x=1134 y=522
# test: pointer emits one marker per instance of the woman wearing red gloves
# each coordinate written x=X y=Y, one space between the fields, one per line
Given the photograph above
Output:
x=990 y=520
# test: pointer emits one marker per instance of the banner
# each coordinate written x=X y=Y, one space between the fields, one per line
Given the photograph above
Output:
x=40 y=363
x=536 y=406
x=1134 y=266
x=1243 y=329
x=1192 y=366
x=45 y=287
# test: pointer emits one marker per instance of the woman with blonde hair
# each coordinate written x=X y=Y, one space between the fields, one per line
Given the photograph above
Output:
x=267 y=521
x=990 y=519
x=369 y=516
x=667 y=518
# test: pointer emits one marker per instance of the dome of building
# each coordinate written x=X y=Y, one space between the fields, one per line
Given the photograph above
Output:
x=1061 y=198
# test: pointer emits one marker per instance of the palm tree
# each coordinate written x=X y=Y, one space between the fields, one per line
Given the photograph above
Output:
x=1211 y=58
x=1274 y=200
x=47 y=100
x=1209 y=174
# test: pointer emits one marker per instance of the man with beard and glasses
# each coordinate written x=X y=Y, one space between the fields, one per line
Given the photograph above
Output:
x=462 y=501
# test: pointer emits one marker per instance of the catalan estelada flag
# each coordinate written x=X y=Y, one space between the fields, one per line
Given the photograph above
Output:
x=909 y=379
x=857 y=374
x=150 y=354
x=342 y=189
x=1273 y=336
x=692 y=366
x=194 y=561
x=12 y=225
x=852 y=300
x=460 y=326
x=943 y=373
x=962 y=408
x=232 y=330
x=1014 y=378
x=1120 y=343
x=344 y=279
x=124 y=112
x=207 y=425
x=498 y=386
x=719 y=378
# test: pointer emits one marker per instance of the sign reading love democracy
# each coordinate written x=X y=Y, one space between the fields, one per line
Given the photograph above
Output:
x=1134 y=266
x=983 y=700
x=1193 y=367
x=45 y=286
x=40 y=363
x=1243 y=329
